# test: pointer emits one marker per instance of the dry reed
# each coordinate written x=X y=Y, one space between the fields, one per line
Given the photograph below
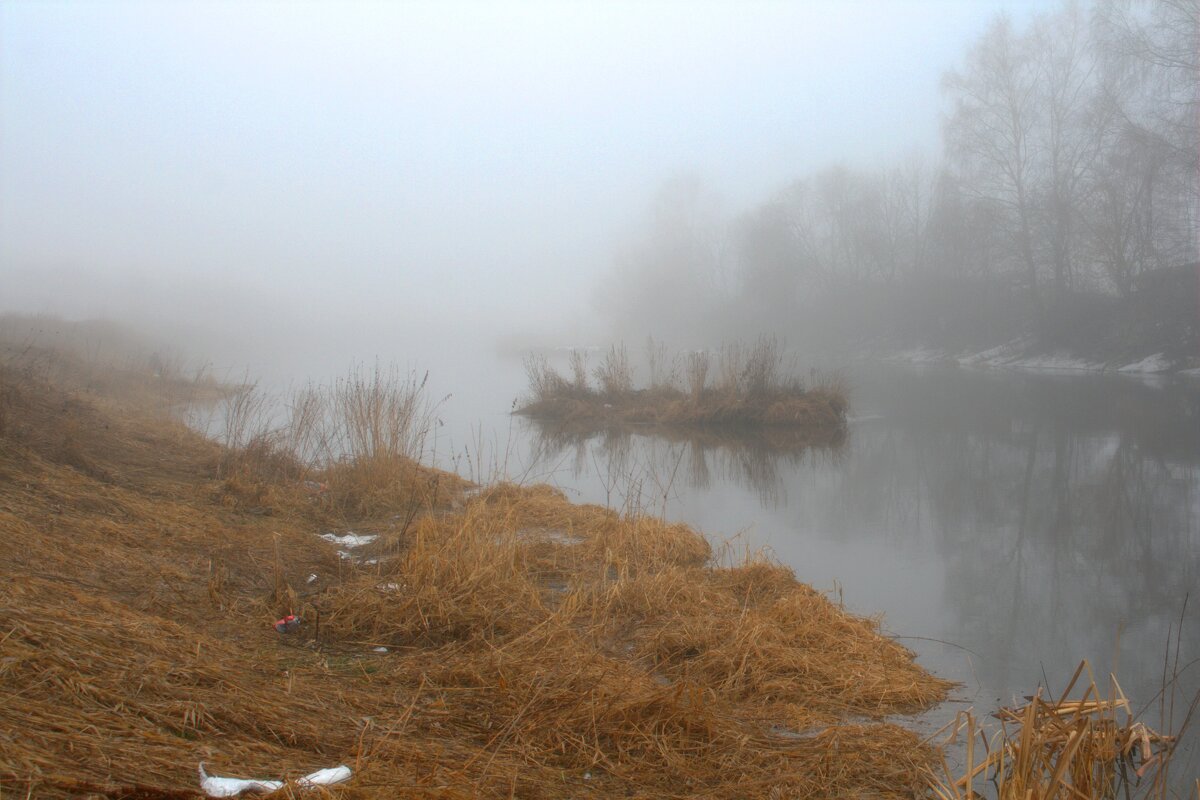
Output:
x=615 y=374
x=1089 y=747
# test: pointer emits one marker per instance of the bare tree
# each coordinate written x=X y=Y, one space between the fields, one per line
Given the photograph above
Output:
x=990 y=131
x=909 y=200
x=1074 y=127
x=1161 y=40
x=1155 y=48
x=671 y=272
x=769 y=254
x=1121 y=219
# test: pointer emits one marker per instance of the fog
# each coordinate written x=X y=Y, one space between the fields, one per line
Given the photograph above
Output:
x=993 y=197
x=263 y=178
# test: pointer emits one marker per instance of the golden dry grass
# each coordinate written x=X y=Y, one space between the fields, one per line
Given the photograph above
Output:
x=1091 y=746
x=535 y=648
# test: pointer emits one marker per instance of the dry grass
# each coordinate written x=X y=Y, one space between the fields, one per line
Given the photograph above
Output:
x=104 y=363
x=355 y=443
x=535 y=648
x=615 y=373
x=752 y=389
x=1088 y=747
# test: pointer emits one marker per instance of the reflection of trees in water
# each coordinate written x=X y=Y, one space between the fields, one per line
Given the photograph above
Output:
x=651 y=460
x=1052 y=538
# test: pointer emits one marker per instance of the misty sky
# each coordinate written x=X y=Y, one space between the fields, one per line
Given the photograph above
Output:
x=419 y=161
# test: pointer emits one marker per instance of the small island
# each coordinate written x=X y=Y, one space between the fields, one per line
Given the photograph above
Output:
x=735 y=386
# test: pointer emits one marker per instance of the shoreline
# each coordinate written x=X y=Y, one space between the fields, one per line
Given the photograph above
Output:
x=492 y=637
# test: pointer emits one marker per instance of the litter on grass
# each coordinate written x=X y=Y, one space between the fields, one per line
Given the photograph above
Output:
x=349 y=539
x=216 y=786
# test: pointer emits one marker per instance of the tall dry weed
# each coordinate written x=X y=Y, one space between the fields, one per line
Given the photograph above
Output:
x=1092 y=747
x=731 y=361
x=615 y=373
x=545 y=383
x=246 y=425
x=763 y=370
x=663 y=366
x=380 y=413
x=698 y=363
x=578 y=362
x=306 y=431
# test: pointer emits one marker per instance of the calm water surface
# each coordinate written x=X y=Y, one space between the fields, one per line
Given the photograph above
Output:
x=1005 y=525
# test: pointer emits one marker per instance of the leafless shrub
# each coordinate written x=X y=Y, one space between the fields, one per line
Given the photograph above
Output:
x=731 y=359
x=615 y=374
x=663 y=366
x=544 y=381
x=698 y=362
x=763 y=368
x=579 y=371
x=245 y=425
x=380 y=413
x=245 y=415
x=306 y=432
x=832 y=383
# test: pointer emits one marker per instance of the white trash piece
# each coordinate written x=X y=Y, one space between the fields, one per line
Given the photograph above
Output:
x=325 y=777
x=215 y=786
x=350 y=539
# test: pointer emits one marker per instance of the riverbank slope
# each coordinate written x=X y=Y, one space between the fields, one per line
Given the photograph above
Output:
x=455 y=641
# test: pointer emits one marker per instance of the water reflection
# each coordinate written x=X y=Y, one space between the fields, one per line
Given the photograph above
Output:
x=1030 y=520
x=661 y=456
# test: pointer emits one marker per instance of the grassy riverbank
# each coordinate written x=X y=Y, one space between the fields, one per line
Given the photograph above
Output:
x=489 y=642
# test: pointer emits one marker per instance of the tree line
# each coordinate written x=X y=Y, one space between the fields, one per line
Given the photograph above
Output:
x=1069 y=171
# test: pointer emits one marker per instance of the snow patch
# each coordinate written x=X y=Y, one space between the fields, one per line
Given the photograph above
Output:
x=921 y=355
x=1055 y=362
x=1153 y=364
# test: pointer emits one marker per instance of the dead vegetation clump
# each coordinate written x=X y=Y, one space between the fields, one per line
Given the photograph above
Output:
x=1090 y=746
x=104 y=362
x=354 y=445
x=615 y=373
x=752 y=388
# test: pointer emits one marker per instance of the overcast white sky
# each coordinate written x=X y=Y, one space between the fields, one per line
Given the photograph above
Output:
x=424 y=161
